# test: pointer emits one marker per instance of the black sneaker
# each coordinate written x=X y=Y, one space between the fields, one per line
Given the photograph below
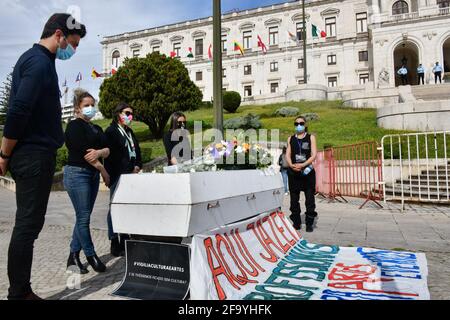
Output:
x=309 y=229
x=297 y=227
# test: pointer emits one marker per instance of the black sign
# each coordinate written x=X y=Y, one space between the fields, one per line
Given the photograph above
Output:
x=155 y=271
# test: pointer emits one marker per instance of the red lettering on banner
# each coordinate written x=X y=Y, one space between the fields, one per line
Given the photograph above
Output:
x=357 y=277
x=292 y=242
x=272 y=256
x=241 y=245
x=295 y=235
x=244 y=278
x=217 y=271
x=285 y=247
x=265 y=236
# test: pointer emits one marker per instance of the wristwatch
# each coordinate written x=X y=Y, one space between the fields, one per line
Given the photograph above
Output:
x=4 y=156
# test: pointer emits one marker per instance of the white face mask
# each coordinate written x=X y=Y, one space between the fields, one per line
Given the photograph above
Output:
x=89 y=112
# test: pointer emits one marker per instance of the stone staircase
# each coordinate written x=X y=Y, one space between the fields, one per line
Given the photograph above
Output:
x=432 y=186
x=432 y=92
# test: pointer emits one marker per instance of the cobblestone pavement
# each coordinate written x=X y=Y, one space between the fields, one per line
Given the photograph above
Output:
x=420 y=228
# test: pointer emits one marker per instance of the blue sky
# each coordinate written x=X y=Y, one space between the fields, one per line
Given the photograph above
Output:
x=22 y=21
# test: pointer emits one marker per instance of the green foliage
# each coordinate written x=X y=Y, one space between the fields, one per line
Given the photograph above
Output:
x=206 y=105
x=5 y=93
x=250 y=121
x=286 y=112
x=311 y=116
x=155 y=86
x=61 y=158
x=231 y=101
x=146 y=154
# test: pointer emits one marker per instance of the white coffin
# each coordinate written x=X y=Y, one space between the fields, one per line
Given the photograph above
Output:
x=181 y=205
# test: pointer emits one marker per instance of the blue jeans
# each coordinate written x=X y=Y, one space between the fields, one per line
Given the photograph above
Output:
x=285 y=176
x=82 y=186
x=111 y=234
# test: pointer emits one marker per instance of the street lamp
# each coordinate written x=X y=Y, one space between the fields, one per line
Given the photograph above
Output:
x=217 y=65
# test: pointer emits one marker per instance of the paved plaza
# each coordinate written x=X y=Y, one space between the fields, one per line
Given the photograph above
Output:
x=420 y=228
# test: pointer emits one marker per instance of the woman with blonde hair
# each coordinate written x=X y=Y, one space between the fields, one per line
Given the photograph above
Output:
x=87 y=146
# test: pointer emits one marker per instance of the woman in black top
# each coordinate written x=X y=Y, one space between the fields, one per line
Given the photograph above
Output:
x=125 y=158
x=176 y=141
x=87 y=147
x=301 y=154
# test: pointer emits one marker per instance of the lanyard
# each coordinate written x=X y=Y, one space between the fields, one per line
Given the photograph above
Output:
x=298 y=142
x=130 y=142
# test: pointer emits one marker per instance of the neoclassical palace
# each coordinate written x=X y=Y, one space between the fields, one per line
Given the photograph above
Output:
x=366 y=42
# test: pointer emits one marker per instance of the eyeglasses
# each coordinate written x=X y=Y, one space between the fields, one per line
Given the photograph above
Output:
x=299 y=124
x=180 y=123
x=128 y=113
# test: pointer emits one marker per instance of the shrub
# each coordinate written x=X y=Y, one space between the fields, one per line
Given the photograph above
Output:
x=61 y=158
x=311 y=116
x=250 y=121
x=146 y=154
x=231 y=101
x=206 y=105
x=287 y=112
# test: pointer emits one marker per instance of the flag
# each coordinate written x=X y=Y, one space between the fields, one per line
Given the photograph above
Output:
x=79 y=77
x=95 y=74
x=173 y=54
x=316 y=32
x=262 y=45
x=237 y=47
x=113 y=71
x=293 y=37
x=190 y=55
x=210 y=55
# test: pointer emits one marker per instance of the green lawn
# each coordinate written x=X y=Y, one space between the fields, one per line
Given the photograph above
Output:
x=337 y=125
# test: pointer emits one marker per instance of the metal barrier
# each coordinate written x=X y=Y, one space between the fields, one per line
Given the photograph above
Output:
x=416 y=167
x=353 y=171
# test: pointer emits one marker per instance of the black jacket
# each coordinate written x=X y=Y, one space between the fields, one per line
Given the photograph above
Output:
x=119 y=161
x=34 y=114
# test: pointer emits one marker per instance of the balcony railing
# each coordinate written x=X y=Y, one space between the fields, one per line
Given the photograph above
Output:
x=404 y=16
x=444 y=11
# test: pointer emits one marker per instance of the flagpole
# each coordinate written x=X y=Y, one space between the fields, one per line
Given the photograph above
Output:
x=305 y=71
x=217 y=66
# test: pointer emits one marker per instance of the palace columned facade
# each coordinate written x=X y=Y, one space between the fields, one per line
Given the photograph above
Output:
x=367 y=41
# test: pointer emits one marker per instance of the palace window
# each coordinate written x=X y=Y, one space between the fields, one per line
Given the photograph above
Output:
x=198 y=47
x=363 y=55
x=363 y=78
x=300 y=31
x=300 y=64
x=136 y=53
x=361 y=22
x=330 y=26
x=274 y=87
x=400 y=7
x=156 y=49
x=177 y=48
x=224 y=72
x=332 y=82
x=331 y=59
x=247 y=40
x=224 y=43
x=248 y=91
x=199 y=76
x=443 y=3
x=115 y=58
x=274 y=66
x=248 y=70
x=273 y=36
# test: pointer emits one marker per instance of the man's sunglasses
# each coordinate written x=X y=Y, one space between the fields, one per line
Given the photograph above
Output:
x=182 y=122
x=128 y=113
x=299 y=124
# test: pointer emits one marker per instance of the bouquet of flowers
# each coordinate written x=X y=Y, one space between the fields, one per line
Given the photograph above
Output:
x=234 y=155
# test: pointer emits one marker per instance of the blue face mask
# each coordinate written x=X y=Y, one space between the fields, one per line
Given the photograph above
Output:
x=300 y=129
x=65 y=54
x=89 y=112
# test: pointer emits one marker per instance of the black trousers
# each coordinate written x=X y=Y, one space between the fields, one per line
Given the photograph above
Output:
x=421 y=78
x=33 y=174
x=438 y=76
x=307 y=184
x=404 y=79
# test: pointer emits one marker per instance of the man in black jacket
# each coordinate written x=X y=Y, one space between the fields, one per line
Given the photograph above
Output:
x=33 y=133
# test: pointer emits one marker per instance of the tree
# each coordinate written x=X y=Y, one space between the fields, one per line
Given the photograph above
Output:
x=231 y=101
x=155 y=86
x=5 y=93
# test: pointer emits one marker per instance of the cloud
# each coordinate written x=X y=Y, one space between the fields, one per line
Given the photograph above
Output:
x=21 y=22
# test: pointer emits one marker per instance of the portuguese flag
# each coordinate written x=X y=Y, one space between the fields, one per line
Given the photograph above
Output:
x=316 y=32
x=190 y=54
x=237 y=47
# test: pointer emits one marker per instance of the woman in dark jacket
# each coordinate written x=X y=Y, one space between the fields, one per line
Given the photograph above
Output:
x=124 y=158
x=87 y=148
x=176 y=140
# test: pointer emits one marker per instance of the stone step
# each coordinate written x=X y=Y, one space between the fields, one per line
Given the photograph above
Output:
x=415 y=194
x=422 y=188
x=424 y=182
x=431 y=177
